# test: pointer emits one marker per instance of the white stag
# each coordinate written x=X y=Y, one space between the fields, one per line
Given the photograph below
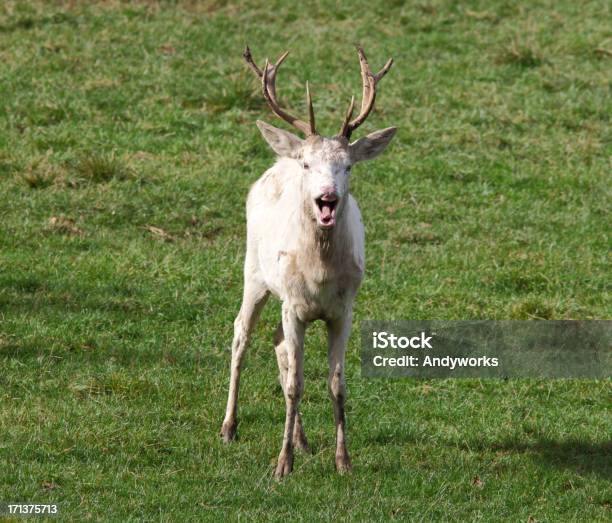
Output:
x=305 y=245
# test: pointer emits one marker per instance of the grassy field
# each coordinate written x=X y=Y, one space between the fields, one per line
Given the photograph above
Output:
x=127 y=147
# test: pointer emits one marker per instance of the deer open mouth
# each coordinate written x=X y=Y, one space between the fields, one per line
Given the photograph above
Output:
x=325 y=210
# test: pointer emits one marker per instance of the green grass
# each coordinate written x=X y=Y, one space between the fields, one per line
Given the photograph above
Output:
x=127 y=147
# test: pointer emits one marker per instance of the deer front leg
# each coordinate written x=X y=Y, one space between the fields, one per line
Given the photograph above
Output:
x=338 y=333
x=299 y=436
x=293 y=329
x=255 y=295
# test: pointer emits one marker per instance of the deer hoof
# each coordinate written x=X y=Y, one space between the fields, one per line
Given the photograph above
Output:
x=343 y=464
x=228 y=431
x=301 y=443
x=284 y=466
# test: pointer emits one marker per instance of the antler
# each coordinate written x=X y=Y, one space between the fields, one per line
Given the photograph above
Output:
x=369 y=94
x=268 y=83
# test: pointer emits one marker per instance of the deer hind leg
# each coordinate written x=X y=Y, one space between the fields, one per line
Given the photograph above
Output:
x=255 y=296
x=338 y=333
x=299 y=436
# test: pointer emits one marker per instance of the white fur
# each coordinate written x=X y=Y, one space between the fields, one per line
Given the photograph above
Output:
x=275 y=230
x=314 y=271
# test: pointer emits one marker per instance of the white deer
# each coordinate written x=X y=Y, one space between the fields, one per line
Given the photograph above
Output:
x=305 y=245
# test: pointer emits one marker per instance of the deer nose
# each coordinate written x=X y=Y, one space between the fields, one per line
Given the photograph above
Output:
x=328 y=194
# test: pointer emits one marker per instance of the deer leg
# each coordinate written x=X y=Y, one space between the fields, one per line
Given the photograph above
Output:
x=299 y=436
x=293 y=329
x=338 y=333
x=255 y=296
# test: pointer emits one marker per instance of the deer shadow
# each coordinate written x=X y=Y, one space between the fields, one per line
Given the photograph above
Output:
x=581 y=456
x=578 y=455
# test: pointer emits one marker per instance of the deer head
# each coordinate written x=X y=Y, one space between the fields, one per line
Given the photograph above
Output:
x=326 y=162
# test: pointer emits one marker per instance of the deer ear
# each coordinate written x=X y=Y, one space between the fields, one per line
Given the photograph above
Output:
x=282 y=142
x=371 y=145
